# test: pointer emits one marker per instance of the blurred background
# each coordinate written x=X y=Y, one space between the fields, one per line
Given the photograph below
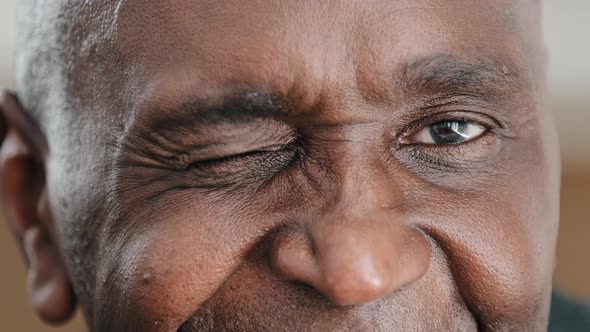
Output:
x=567 y=26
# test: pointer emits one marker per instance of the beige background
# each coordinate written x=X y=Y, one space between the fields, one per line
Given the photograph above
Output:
x=567 y=29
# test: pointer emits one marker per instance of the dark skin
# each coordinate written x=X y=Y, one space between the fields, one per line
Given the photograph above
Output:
x=286 y=165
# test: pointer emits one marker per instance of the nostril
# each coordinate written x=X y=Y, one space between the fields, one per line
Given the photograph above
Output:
x=305 y=287
x=302 y=285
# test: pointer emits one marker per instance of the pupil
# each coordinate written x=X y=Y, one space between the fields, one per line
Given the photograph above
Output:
x=450 y=132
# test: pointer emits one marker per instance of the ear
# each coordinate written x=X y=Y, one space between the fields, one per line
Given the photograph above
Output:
x=23 y=195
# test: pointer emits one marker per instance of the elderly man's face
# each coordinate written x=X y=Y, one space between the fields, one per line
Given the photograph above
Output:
x=305 y=165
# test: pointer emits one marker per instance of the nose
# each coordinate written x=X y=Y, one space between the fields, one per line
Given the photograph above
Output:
x=353 y=260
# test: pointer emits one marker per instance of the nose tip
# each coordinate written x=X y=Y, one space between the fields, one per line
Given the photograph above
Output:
x=351 y=266
x=356 y=283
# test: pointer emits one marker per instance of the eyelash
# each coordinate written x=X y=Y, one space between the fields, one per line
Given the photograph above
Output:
x=246 y=168
x=491 y=126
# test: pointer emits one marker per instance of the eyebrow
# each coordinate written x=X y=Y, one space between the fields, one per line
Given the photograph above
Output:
x=433 y=75
x=231 y=106
x=447 y=74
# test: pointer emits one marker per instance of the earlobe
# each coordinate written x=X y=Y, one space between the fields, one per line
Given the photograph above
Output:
x=49 y=288
x=26 y=210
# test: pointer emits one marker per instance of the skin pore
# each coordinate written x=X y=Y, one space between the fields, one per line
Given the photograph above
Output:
x=283 y=165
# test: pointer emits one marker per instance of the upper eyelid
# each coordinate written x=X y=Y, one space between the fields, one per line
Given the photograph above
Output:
x=245 y=154
x=193 y=141
x=473 y=117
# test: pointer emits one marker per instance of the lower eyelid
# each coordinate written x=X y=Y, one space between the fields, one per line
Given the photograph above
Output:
x=476 y=151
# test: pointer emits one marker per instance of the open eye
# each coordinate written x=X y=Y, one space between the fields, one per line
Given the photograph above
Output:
x=449 y=132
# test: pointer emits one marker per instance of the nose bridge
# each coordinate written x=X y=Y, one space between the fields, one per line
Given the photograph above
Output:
x=362 y=177
x=357 y=237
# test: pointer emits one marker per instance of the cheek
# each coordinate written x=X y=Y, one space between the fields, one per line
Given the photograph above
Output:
x=497 y=251
x=482 y=273
x=178 y=260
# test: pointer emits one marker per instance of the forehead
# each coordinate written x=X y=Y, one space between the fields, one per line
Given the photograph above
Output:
x=183 y=45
